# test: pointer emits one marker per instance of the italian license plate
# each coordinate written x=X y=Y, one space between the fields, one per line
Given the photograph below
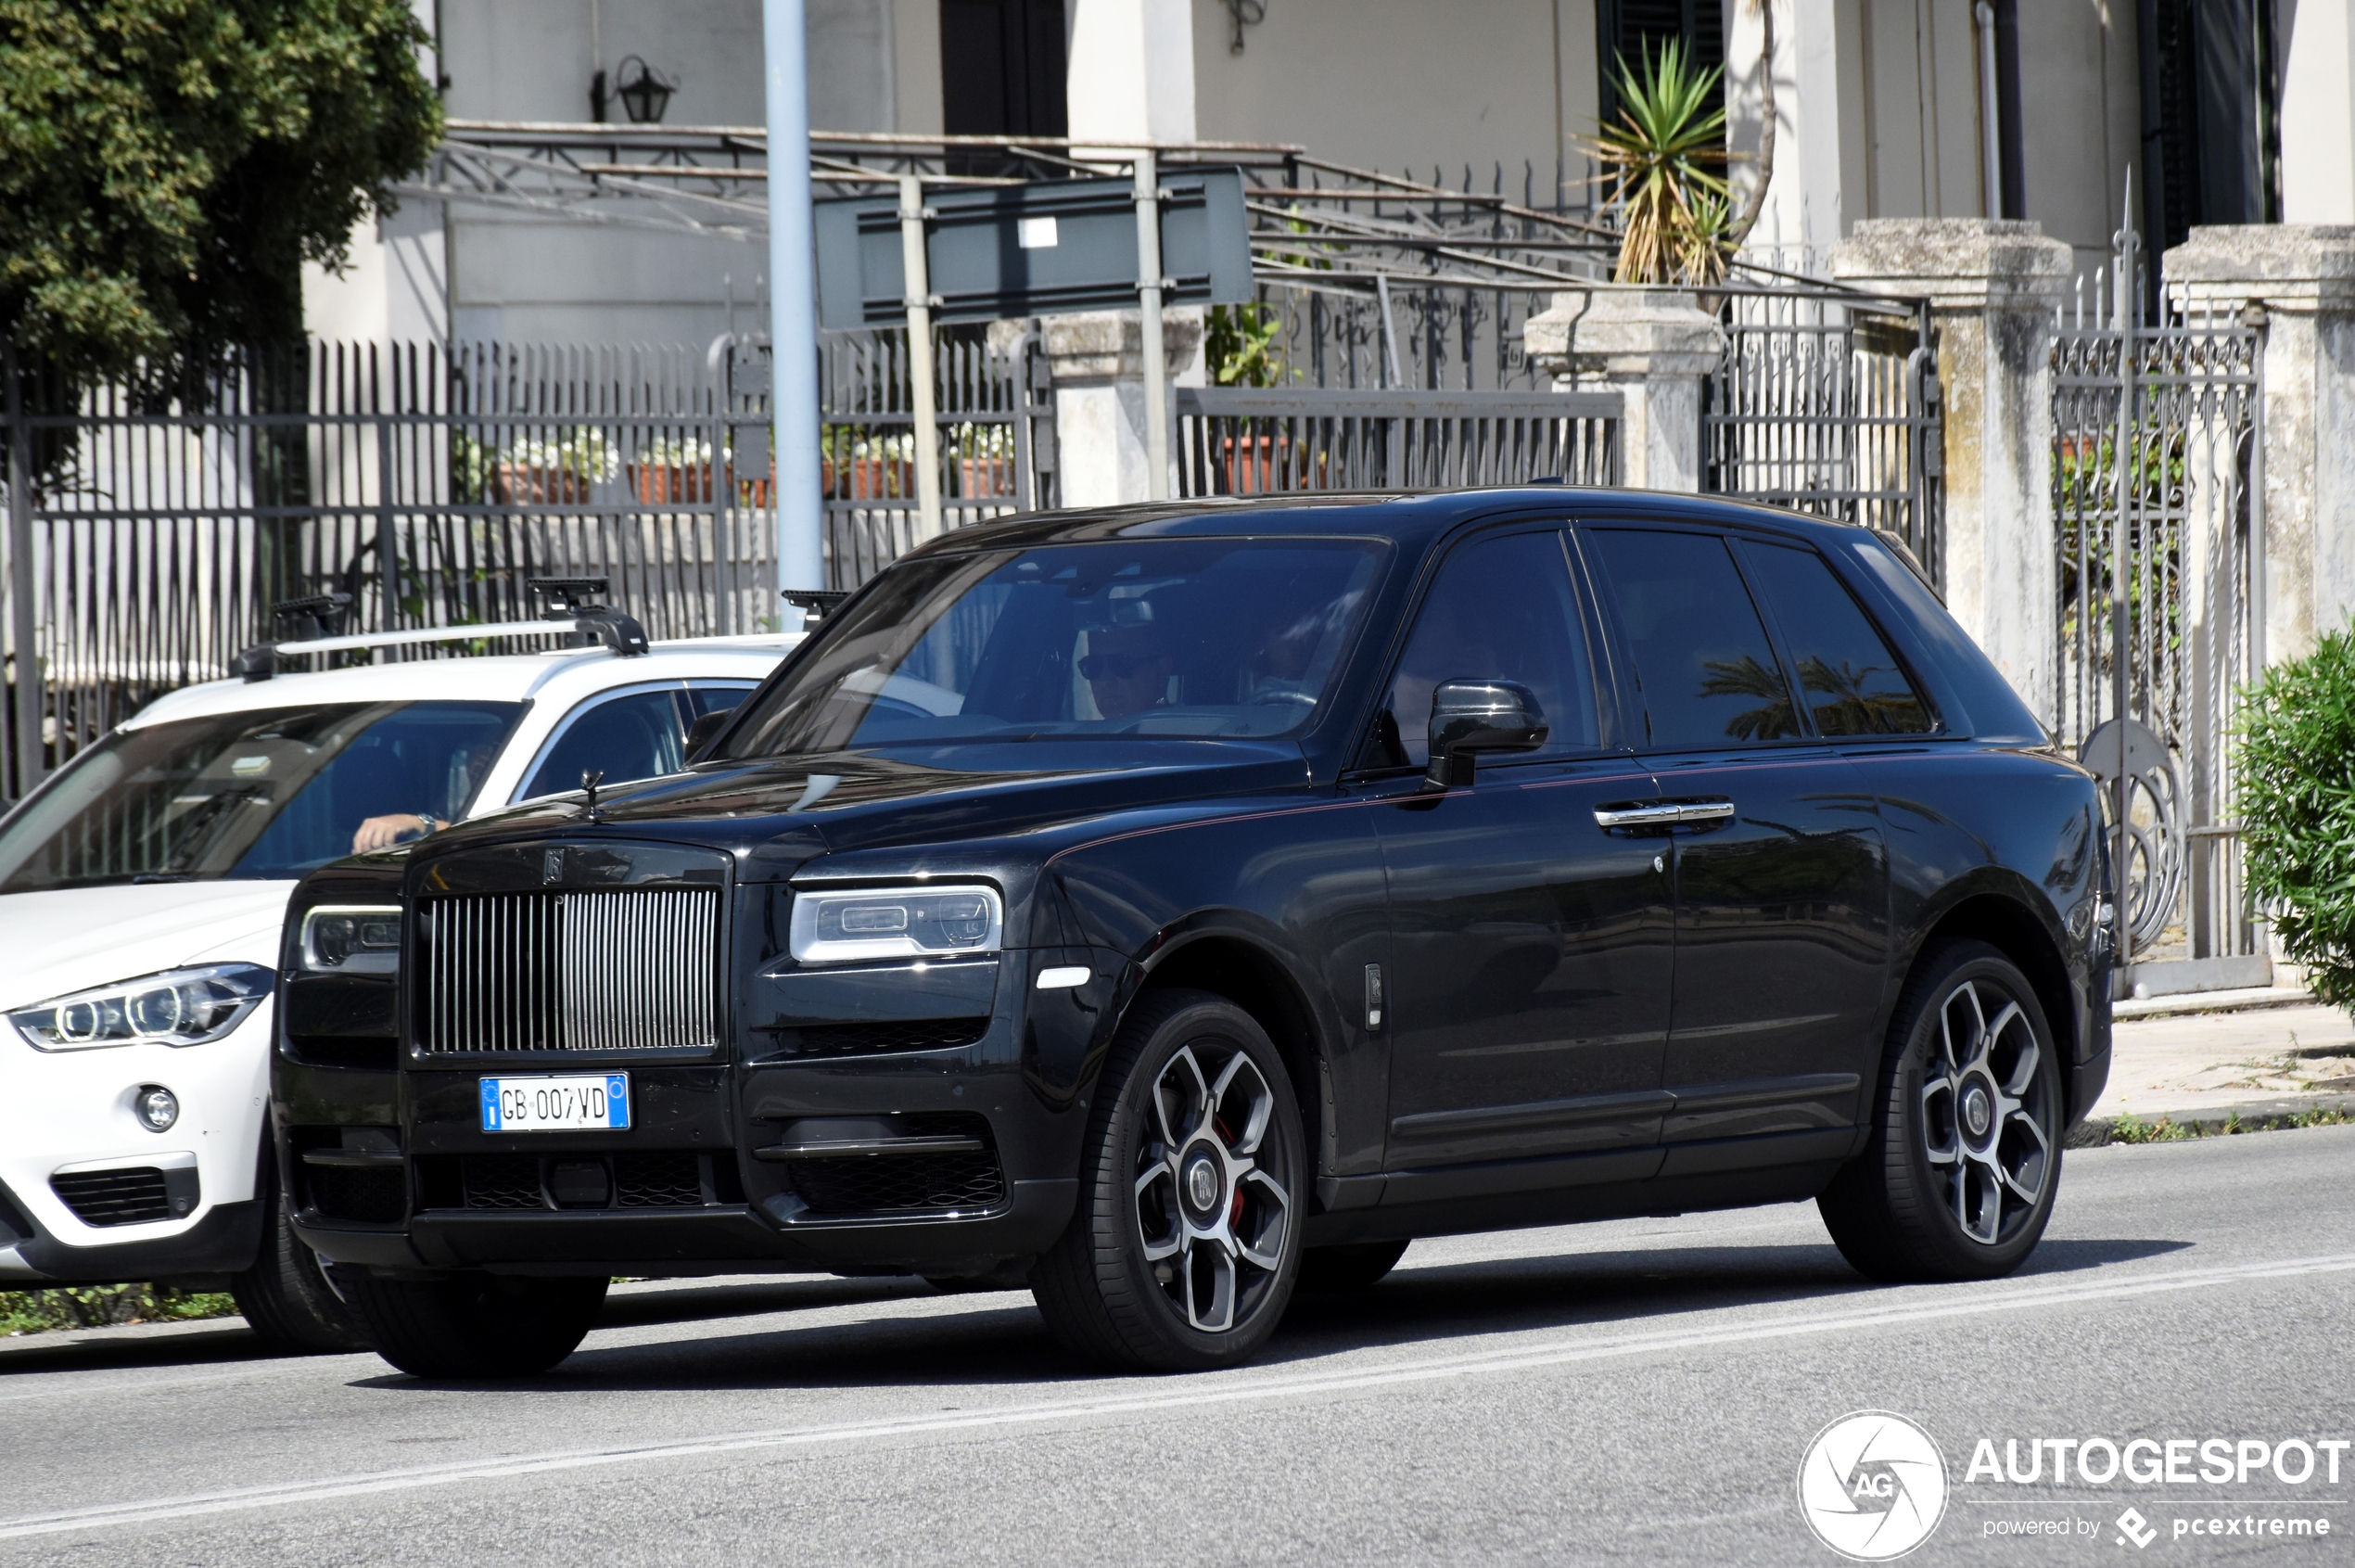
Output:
x=593 y=1102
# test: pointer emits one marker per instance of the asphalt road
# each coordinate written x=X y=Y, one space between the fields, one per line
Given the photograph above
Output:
x=1634 y=1392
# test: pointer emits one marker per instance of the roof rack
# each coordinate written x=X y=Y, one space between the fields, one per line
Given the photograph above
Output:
x=570 y=615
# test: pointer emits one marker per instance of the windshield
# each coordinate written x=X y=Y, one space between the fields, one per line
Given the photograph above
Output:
x=267 y=794
x=1164 y=637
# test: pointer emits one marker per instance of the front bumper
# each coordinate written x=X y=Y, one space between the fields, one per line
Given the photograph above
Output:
x=947 y=1160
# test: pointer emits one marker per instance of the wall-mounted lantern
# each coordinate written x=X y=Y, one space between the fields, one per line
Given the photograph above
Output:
x=644 y=94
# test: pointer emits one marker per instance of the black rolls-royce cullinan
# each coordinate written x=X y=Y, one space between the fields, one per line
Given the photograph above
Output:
x=1175 y=906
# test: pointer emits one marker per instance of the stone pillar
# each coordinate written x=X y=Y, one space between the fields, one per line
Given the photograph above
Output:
x=1993 y=286
x=1130 y=76
x=2304 y=277
x=1652 y=346
x=1098 y=364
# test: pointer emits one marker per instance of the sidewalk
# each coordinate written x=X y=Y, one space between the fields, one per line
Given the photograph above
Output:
x=2203 y=1058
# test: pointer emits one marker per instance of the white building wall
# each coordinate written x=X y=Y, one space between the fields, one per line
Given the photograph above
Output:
x=1398 y=85
x=2317 y=59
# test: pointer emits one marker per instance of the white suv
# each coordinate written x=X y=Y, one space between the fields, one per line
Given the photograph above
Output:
x=143 y=886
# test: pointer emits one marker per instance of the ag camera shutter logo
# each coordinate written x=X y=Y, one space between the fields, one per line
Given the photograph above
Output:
x=1873 y=1486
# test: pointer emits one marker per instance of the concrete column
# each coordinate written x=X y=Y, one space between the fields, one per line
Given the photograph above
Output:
x=1098 y=362
x=2304 y=276
x=1994 y=288
x=1129 y=77
x=1652 y=346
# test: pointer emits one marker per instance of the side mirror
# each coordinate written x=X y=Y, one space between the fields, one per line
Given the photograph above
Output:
x=1471 y=716
x=705 y=729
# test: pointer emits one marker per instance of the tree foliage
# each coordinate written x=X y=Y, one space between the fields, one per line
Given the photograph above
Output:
x=2297 y=809
x=166 y=166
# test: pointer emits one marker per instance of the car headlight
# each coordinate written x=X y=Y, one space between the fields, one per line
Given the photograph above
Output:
x=177 y=1007
x=896 y=923
x=351 y=939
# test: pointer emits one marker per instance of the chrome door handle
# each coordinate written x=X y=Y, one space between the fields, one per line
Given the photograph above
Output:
x=1637 y=816
x=1668 y=813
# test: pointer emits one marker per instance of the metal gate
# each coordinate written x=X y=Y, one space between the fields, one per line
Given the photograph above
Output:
x=2159 y=503
x=1241 y=441
x=1826 y=401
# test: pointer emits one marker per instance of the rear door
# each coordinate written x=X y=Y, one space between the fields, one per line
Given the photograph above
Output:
x=1780 y=875
x=1528 y=987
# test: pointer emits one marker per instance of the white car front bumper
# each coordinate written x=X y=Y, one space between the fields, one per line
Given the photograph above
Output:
x=68 y=1114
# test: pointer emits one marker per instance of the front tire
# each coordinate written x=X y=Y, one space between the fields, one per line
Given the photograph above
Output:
x=1959 y=1181
x=285 y=1297
x=1184 y=1249
x=475 y=1325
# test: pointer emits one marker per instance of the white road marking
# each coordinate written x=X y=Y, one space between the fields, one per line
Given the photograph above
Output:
x=1240 y=1387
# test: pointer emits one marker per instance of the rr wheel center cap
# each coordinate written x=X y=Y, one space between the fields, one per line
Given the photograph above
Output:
x=1979 y=1111
x=1202 y=1182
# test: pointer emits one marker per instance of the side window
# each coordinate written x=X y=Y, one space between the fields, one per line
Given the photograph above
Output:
x=1709 y=675
x=1851 y=681
x=1500 y=606
x=638 y=735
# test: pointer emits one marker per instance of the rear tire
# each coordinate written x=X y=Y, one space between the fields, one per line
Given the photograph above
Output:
x=475 y=1325
x=286 y=1296
x=1958 y=1179
x=1183 y=1250
x=1335 y=1270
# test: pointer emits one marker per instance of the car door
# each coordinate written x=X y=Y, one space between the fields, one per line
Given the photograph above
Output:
x=635 y=733
x=1529 y=954
x=1779 y=869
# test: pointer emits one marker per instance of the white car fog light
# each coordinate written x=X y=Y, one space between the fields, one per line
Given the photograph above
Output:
x=157 y=1107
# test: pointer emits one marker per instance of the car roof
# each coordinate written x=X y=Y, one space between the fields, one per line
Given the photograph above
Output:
x=1413 y=518
x=484 y=678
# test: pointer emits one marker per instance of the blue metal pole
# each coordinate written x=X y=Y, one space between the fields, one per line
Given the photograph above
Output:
x=793 y=302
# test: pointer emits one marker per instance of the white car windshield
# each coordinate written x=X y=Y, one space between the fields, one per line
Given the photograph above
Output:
x=267 y=794
x=1155 y=638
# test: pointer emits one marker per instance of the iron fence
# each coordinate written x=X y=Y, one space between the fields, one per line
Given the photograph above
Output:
x=1234 y=440
x=153 y=522
x=1828 y=401
x=2156 y=427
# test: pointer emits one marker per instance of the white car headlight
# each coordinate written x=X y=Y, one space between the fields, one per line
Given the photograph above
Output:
x=351 y=939
x=177 y=1007
x=896 y=923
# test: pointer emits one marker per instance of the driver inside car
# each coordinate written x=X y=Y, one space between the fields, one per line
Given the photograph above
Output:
x=1127 y=669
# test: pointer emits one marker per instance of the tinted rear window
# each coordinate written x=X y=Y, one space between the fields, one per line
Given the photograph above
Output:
x=1708 y=673
x=1849 y=678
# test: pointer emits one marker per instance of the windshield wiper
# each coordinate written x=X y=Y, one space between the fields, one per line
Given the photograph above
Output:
x=147 y=876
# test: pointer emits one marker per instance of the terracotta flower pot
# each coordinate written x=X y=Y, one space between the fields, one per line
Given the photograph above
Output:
x=979 y=476
x=659 y=482
x=523 y=484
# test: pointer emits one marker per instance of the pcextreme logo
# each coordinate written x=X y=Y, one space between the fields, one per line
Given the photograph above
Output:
x=1873 y=1486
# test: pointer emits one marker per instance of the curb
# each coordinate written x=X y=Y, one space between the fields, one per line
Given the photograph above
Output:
x=2185 y=1002
x=2254 y=1115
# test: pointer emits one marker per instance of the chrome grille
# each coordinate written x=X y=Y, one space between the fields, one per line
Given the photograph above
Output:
x=628 y=969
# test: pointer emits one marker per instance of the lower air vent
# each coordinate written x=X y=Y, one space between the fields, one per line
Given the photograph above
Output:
x=505 y=1182
x=361 y=1197
x=876 y=1038
x=657 y=1179
x=130 y=1197
x=908 y=1183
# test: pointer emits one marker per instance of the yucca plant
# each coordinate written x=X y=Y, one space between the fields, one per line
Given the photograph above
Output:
x=1661 y=161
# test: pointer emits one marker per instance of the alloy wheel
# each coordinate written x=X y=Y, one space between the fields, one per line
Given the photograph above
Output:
x=1212 y=1201
x=1987 y=1116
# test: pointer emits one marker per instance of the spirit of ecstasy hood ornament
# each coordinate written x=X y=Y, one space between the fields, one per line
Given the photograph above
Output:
x=589 y=782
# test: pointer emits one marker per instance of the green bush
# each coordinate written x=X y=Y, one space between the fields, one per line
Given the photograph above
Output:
x=96 y=1307
x=2297 y=809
